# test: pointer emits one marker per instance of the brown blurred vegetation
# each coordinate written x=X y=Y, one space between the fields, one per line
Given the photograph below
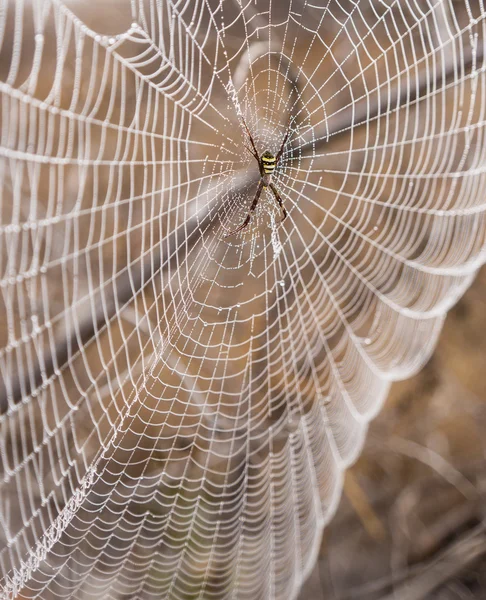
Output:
x=410 y=525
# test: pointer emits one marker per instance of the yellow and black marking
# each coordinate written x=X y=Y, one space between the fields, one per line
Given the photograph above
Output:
x=269 y=162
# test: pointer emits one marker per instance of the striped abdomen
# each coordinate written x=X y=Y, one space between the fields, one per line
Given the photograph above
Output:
x=269 y=162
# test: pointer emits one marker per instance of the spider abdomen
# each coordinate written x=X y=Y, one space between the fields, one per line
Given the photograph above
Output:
x=269 y=162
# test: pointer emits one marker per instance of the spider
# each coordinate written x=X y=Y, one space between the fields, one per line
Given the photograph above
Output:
x=267 y=163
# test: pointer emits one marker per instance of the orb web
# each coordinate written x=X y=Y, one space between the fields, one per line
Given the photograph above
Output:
x=179 y=402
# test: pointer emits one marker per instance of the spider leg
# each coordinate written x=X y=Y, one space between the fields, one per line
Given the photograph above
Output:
x=255 y=151
x=280 y=152
x=252 y=208
x=251 y=152
x=278 y=198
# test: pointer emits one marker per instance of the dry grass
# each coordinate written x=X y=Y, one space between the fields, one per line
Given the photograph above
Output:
x=410 y=527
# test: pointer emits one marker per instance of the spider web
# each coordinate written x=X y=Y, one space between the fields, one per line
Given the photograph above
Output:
x=179 y=405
